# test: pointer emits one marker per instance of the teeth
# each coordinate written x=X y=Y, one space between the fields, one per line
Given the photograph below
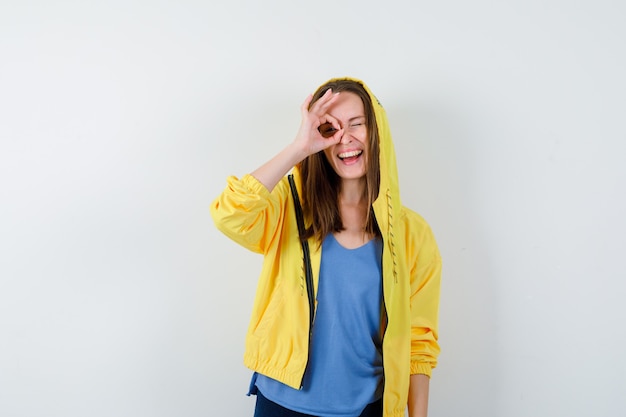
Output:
x=349 y=154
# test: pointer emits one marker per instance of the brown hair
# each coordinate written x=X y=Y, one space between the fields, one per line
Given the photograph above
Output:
x=321 y=185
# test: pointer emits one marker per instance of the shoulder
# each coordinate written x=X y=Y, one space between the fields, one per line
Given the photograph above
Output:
x=418 y=235
x=414 y=223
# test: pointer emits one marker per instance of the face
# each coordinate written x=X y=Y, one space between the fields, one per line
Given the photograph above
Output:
x=349 y=157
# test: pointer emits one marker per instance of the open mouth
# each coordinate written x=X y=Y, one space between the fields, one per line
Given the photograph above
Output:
x=350 y=156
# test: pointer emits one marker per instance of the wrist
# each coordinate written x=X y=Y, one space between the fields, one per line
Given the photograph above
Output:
x=297 y=153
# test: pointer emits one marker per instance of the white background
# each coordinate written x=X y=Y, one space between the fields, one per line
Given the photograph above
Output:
x=120 y=121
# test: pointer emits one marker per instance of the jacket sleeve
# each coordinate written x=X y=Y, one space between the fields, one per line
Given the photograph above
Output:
x=425 y=291
x=248 y=213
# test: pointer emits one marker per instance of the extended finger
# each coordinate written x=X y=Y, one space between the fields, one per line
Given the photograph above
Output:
x=324 y=102
x=304 y=108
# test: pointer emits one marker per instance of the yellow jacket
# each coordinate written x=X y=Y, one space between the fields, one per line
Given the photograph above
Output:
x=277 y=340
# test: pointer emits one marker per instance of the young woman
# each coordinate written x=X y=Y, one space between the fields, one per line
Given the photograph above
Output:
x=361 y=338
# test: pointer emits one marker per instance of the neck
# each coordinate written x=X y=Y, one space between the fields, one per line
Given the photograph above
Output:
x=352 y=192
x=353 y=205
x=353 y=209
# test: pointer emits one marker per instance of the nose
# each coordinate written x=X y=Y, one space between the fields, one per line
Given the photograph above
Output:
x=345 y=136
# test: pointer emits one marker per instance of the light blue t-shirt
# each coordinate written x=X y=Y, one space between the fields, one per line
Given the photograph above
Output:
x=345 y=369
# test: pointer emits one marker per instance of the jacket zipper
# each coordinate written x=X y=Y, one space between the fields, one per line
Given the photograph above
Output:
x=309 y=290
x=308 y=272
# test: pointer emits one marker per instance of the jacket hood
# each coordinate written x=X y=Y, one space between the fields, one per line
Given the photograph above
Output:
x=387 y=205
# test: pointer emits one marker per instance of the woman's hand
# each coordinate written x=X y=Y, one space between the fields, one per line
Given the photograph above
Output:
x=318 y=129
x=309 y=140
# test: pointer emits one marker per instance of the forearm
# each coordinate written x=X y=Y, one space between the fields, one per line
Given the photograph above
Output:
x=270 y=173
x=418 y=395
x=308 y=141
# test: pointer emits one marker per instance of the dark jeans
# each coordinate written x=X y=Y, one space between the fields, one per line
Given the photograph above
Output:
x=267 y=408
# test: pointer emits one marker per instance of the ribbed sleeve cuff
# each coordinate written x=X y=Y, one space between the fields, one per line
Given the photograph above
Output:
x=254 y=185
x=422 y=368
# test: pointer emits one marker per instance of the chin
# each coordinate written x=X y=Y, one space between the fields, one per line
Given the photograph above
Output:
x=351 y=175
